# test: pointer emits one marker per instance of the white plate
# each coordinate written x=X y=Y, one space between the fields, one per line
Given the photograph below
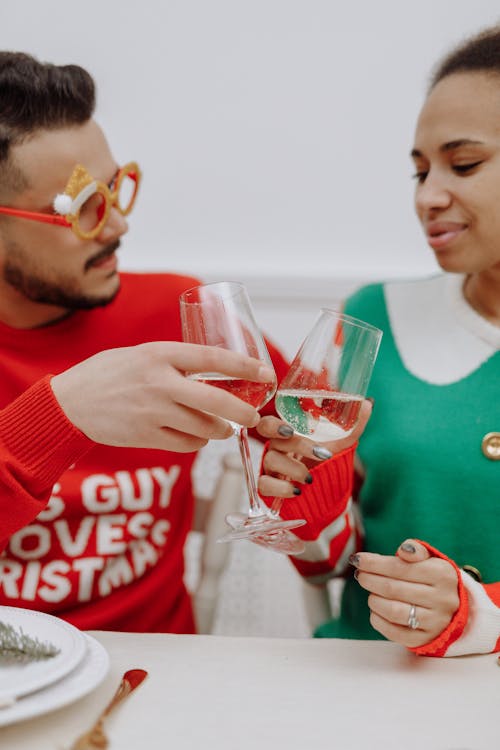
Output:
x=88 y=675
x=17 y=680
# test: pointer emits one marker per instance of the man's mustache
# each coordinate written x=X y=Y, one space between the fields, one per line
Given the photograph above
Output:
x=104 y=253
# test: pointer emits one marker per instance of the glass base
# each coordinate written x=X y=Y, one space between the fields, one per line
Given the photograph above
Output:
x=272 y=534
x=257 y=526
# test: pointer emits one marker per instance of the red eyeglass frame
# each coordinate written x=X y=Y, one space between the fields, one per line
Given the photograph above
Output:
x=71 y=221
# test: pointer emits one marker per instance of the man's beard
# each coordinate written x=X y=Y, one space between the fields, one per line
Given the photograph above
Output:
x=60 y=294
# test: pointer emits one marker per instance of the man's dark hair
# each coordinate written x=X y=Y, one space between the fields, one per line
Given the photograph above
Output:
x=479 y=53
x=38 y=96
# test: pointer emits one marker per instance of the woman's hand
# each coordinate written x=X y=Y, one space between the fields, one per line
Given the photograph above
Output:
x=410 y=584
x=281 y=467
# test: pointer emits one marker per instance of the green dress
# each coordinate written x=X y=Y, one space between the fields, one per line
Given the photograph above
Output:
x=425 y=474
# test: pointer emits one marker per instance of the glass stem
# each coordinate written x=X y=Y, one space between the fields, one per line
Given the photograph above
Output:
x=276 y=507
x=256 y=509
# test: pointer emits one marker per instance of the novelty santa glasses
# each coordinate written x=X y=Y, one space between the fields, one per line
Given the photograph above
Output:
x=85 y=204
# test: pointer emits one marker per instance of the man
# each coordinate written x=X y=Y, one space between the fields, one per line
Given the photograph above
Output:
x=97 y=422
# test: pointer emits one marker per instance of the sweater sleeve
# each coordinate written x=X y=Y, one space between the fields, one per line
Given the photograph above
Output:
x=475 y=626
x=37 y=444
x=332 y=531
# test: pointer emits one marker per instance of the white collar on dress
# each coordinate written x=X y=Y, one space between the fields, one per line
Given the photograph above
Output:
x=439 y=336
x=466 y=315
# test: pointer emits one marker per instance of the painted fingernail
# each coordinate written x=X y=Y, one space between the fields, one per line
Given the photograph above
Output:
x=321 y=453
x=308 y=479
x=285 y=431
x=354 y=560
x=408 y=547
x=371 y=400
x=297 y=491
x=356 y=574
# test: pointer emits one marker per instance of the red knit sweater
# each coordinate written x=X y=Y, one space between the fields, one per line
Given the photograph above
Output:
x=91 y=533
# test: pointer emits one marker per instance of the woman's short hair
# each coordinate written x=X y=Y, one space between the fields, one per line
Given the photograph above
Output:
x=478 y=53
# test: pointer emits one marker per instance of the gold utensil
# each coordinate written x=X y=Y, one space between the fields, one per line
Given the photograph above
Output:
x=95 y=738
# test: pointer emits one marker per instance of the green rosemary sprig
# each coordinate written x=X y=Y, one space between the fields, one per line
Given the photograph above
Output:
x=17 y=646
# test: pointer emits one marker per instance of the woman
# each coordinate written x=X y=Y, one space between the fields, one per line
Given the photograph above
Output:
x=430 y=456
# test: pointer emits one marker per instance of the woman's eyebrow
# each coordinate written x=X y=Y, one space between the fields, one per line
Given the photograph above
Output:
x=449 y=146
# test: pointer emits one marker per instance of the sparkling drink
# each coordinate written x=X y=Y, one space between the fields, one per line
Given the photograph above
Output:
x=255 y=394
x=321 y=415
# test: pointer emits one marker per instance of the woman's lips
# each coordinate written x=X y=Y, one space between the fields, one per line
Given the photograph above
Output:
x=442 y=233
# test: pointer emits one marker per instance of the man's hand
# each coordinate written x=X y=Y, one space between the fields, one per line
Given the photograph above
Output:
x=290 y=456
x=411 y=579
x=139 y=396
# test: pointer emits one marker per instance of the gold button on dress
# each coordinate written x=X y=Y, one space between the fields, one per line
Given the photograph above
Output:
x=491 y=446
x=474 y=572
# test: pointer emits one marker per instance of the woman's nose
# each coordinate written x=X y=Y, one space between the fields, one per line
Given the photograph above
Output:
x=432 y=193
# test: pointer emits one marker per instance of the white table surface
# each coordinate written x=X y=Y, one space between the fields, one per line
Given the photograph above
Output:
x=207 y=692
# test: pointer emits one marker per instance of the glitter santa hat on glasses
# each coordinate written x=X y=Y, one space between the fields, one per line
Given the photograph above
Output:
x=85 y=204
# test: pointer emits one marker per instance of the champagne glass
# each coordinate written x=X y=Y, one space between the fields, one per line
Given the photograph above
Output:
x=321 y=395
x=220 y=314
